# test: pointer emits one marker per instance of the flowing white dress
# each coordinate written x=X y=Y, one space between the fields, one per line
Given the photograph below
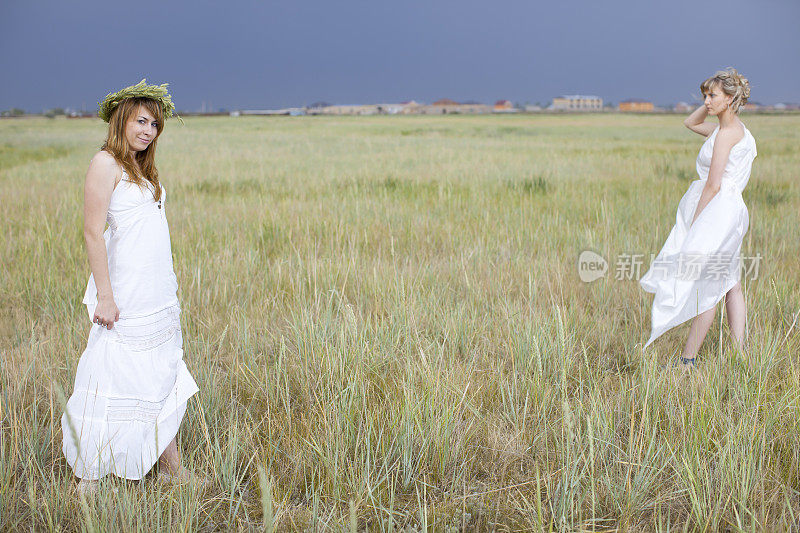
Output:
x=701 y=262
x=131 y=385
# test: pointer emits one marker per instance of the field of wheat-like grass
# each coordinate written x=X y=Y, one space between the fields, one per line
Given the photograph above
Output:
x=386 y=322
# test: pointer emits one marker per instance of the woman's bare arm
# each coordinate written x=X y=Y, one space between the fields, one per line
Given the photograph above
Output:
x=100 y=181
x=726 y=139
x=697 y=122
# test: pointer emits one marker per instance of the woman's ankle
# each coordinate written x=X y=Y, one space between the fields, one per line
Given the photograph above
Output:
x=170 y=465
x=738 y=344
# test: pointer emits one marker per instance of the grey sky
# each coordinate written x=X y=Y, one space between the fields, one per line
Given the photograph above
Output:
x=258 y=54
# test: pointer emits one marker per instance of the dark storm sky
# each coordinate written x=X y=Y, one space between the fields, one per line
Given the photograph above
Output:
x=259 y=54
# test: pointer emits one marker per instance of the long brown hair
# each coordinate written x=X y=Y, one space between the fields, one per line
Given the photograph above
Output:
x=117 y=145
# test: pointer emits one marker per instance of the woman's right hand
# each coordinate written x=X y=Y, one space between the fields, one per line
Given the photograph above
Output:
x=106 y=313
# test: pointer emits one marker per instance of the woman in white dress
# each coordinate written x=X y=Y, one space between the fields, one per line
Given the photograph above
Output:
x=131 y=385
x=699 y=264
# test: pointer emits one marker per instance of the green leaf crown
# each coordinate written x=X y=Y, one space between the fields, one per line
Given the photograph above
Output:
x=142 y=90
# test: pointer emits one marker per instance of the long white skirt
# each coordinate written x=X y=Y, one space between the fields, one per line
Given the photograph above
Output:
x=130 y=395
x=699 y=262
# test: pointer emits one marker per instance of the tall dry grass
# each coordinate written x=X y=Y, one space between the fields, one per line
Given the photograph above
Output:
x=388 y=330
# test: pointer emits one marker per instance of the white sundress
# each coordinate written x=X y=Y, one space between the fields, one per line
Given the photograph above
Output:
x=701 y=262
x=131 y=385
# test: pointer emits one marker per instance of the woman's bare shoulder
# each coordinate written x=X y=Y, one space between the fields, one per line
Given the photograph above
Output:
x=103 y=159
x=103 y=166
x=729 y=135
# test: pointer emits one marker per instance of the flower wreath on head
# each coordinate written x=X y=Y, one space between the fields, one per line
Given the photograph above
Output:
x=141 y=90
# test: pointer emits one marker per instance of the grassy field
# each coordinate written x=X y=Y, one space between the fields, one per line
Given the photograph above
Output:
x=386 y=323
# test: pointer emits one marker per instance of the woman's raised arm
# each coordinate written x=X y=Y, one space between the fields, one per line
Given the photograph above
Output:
x=697 y=122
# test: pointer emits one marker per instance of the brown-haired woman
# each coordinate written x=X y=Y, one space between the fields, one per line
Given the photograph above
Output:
x=131 y=385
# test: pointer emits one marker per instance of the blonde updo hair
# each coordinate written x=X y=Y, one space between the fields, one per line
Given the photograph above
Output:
x=732 y=83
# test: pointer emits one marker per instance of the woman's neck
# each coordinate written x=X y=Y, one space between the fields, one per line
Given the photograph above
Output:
x=727 y=118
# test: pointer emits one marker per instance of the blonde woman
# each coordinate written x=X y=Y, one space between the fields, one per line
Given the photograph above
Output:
x=131 y=385
x=699 y=264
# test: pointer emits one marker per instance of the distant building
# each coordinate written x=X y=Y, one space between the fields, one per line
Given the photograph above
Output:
x=441 y=107
x=348 y=110
x=533 y=108
x=410 y=108
x=74 y=113
x=683 y=107
x=446 y=106
x=293 y=111
x=503 y=106
x=636 y=106
x=577 y=102
x=403 y=108
x=389 y=109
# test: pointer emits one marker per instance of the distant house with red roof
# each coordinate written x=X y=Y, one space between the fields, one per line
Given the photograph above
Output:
x=503 y=106
x=445 y=102
x=636 y=105
x=447 y=106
